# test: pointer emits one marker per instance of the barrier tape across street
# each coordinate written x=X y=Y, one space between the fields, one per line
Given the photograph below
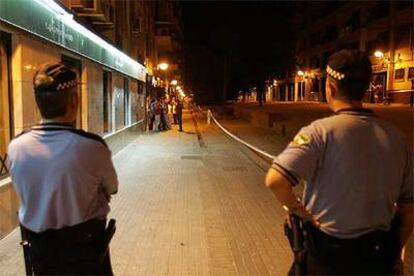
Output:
x=250 y=146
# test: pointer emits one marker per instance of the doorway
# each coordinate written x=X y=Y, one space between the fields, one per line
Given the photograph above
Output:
x=107 y=101
x=301 y=91
x=291 y=92
x=380 y=84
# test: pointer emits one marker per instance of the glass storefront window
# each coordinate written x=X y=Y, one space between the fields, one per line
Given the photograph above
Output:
x=107 y=88
x=127 y=110
x=5 y=122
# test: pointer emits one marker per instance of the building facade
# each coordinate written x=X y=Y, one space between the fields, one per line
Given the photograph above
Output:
x=383 y=29
x=111 y=44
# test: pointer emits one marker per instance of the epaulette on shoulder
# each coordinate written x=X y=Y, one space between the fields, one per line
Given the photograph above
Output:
x=89 y=135
x=21 y=133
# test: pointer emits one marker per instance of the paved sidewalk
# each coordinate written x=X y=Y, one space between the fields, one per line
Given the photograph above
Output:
x=189 y=203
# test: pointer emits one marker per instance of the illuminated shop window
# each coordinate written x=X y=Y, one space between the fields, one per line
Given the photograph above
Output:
x=5 y=112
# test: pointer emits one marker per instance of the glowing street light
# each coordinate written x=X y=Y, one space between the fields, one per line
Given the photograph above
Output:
x=178 y=88
x=378 y=54
x=163 y=66
x=300 y=73
x=174 y=82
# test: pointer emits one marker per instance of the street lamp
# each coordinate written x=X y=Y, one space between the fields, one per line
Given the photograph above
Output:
x=300 y=73
x=163 y=66
x=378 y=54
x=174 y=82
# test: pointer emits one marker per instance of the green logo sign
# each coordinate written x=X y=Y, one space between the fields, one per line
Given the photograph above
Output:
x=48 y=20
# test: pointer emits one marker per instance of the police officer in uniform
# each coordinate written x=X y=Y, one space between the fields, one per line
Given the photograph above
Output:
x=64 y=178
x=357 y=204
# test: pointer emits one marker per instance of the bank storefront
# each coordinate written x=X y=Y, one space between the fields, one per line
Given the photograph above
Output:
x=111 y=90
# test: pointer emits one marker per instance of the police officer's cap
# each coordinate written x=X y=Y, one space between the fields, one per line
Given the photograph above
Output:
x=349 y=66
x=52 y=77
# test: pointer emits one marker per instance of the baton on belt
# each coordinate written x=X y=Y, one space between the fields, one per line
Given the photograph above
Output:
x=108 y=234
x=25 y=243
x=296 y=238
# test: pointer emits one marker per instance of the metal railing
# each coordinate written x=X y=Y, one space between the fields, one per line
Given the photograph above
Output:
x=387 y=97
x=4 y=171
x=268 y=156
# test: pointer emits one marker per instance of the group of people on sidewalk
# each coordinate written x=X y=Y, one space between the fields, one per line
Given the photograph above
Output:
x=161 y=111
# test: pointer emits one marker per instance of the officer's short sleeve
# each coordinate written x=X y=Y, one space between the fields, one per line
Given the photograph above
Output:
x=299 y=159
x=407 y=187
x=109 y=176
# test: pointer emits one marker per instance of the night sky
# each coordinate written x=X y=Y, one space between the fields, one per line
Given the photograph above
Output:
x=241 y=42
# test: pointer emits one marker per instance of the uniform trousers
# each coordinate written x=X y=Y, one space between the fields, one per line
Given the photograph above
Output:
x=375 y=253
x=75 y=250
x=151 y=121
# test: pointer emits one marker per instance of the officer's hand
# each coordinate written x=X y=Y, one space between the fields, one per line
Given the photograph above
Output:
x=305 y=215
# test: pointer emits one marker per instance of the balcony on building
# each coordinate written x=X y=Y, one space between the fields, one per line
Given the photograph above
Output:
x=99 y=14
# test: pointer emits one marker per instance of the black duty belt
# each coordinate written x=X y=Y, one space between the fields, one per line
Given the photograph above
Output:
x=376 y=244
x=86 y=241
x=69 y=235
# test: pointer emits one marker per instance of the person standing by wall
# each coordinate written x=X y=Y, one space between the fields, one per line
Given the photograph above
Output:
x=174 y=111
x=358 y=175
x=157 y=112
x=64 y=178
x=179 y=110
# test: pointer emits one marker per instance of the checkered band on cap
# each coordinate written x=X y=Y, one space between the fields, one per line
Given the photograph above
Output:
x=54 y=77
x=334 y=74
x=66 y=85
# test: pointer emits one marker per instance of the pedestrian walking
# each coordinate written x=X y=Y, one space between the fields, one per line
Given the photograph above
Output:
x=151 y=115
x=357 y=206
x=179 y=110
x=64 y=178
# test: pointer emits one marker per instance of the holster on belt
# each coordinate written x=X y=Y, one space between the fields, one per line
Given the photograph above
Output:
x=294 y=231
x=106 y=239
